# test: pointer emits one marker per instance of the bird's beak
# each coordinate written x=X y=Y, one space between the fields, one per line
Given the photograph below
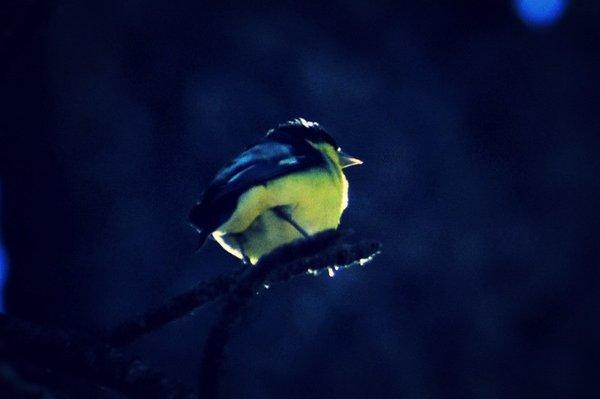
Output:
x=348 y=160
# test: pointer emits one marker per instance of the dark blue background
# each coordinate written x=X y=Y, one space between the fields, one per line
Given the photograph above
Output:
x=479 y=134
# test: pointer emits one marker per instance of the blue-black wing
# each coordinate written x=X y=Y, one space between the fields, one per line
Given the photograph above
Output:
x=265 y=161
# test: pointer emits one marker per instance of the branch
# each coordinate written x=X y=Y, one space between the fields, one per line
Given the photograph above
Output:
x=205 y=292
x=179 y=306
x=84 y=357
x=100 y=363
x=322 y=251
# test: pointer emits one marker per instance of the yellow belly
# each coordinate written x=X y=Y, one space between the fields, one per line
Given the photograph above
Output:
x=315 y=199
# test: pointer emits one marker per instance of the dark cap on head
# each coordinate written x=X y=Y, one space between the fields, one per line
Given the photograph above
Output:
x=300 y=129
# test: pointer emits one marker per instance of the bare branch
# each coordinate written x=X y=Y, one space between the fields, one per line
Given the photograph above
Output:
x=205 y=292
x=312 y=255
x=83 y=357
x=103 y=365
x=179 y=306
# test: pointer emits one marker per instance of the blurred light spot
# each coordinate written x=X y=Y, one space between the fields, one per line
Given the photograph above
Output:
x=3 y=273
x=540 y=13
x=3 y=265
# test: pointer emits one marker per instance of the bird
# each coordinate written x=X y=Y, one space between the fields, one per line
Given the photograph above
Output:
x=289 y=186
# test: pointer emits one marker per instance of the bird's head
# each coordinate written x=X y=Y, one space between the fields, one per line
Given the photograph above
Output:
x=300 y=131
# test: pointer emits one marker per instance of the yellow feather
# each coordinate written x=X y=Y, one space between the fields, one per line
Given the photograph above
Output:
x=315 y=199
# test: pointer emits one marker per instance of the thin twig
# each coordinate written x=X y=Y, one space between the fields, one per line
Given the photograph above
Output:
x=84 y=357
x=312 y=255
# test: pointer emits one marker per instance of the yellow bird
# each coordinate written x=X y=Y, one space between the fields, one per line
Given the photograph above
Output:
x=288 y=186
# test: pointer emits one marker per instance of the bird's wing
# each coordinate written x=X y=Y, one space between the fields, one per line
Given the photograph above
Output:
x=266 y=161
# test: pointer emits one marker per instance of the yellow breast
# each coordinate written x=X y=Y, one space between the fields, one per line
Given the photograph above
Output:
x=315 y=199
